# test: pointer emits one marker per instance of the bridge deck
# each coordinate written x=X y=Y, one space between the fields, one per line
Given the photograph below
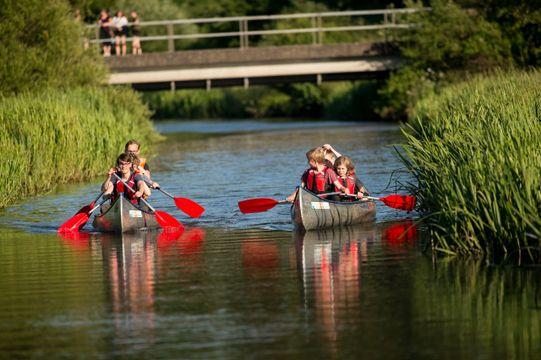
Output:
x=226 y=67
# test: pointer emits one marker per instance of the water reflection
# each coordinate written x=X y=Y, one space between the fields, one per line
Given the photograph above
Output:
x=329 y=261
x=132 y=265
x=343 y=293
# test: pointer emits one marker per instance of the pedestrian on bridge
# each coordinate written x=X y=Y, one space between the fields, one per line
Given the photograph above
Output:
x=135 y=33
x=120 y=23
x=105 y=24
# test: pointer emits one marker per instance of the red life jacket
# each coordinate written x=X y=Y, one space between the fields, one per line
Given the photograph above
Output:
x=121 y=188
x=318 y=182
x=348 y=182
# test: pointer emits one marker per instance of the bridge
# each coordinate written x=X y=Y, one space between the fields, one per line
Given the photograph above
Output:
x=351 y=45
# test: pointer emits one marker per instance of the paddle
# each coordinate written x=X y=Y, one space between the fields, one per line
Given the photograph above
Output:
x=395 y=201
x=164 y=219
x=69 y=225
x=256 y=205
x=188 y=206
x=78 y=220
x=90 y=206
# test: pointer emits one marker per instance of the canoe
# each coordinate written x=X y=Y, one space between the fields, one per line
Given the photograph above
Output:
x=312 y=212
x=123 y=216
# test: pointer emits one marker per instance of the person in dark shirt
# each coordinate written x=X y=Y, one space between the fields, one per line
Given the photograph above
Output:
x=112 y=186
x=105 y=23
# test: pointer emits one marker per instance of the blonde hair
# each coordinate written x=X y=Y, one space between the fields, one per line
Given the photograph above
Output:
x=345 y=161
x=316 y=154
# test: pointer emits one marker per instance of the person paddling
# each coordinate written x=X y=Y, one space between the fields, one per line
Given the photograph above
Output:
x=113 y=187
x=346 y=177
x=133 y=147
x=318 y=178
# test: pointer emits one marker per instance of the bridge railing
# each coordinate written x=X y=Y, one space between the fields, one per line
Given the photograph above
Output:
x=389 y=19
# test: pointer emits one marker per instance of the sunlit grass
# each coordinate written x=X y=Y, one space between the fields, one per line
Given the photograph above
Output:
x=475 y=150
x=56 y=137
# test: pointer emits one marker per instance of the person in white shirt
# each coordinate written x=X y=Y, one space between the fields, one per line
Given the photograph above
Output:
x=120 y=23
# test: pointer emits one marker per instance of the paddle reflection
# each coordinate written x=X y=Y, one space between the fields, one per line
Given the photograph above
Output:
x=259 y=257
x=329 y=261
x=400 y=233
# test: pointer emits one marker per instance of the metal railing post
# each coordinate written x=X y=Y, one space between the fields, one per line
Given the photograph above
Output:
x=97 y=33
x=385 y=29
x=314 y=27
x=319 y=27
x=246 y=36
x=393 y=22
x=241 y=35
x=170 y=40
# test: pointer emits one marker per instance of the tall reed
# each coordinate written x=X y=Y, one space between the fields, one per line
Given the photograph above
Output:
x=54 y=137
x=475 y=150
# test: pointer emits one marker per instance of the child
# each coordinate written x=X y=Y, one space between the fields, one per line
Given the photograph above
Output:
x=346 y=177
x=133 y=147
x=318 y=178
x=138 y=169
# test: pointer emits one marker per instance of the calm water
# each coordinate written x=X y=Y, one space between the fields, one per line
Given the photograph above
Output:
x=235 y=286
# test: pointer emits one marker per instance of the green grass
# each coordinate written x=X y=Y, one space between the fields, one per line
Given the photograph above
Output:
x=58 y=136
x=475 y=151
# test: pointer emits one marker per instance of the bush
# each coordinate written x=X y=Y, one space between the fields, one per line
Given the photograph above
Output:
x=447 y=43
x=42 y=47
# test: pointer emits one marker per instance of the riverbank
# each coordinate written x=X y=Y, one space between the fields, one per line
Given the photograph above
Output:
x=57 y=136
x=475 y=152
x=341 y=100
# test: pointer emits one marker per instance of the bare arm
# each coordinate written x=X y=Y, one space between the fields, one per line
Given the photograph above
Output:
x=107 y=186
x=330 y=148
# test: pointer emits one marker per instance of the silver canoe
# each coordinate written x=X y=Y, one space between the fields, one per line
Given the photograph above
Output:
x=312 y=212
x=123 y=216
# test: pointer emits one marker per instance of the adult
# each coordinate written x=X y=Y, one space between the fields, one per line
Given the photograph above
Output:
x=105 y=24
x=113 y=186
x=120 y=23
x=135 y=33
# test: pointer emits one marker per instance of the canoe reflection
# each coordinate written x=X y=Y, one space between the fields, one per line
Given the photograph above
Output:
x=329 y=261
x=132 y=264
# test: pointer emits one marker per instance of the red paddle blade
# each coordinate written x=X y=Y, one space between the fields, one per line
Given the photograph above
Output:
x=189 y=207
x=256 y=205
x=402 y=202
x=86 y=209
x=74 y=223
x=167 y=221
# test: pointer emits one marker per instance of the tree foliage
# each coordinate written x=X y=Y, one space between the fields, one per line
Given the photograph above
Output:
x=447 y=42
x=42 y=47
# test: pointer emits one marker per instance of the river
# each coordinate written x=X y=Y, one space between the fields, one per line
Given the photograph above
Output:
x=234 y=285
